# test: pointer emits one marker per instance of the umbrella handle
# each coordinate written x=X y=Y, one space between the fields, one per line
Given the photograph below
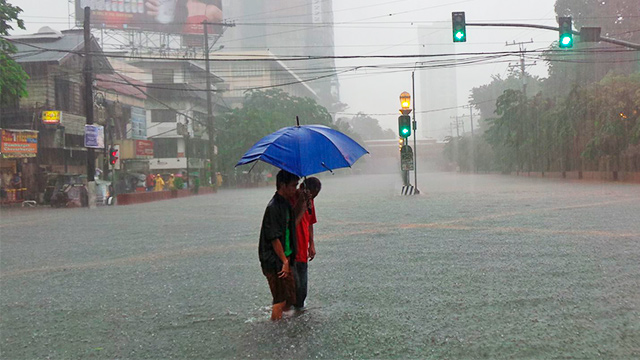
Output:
x=326 y=167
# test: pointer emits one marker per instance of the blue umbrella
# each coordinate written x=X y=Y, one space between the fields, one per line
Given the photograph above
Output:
x=305 y=150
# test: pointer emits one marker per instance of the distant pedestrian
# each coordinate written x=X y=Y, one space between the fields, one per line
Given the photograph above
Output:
x=16 y=181
x=170 y=182
x=277 y=245
x=149 y=182
x=16 y=184
x=159 y=186
x=306 y=249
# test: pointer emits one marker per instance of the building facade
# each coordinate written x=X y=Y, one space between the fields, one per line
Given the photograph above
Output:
x=264 y=71
x=177 y=119
x=56 y=84
x=285 y=29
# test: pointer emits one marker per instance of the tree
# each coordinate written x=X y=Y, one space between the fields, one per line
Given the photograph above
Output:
x=262 y=113
x=13 y=79
x=484 y=97
x=369 y=128
x=619 y=19
x=507 y=133
x=614 y=111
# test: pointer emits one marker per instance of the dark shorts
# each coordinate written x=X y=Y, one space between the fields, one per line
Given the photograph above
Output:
x=281 y=289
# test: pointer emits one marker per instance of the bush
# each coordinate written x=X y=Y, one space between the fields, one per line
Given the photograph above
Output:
x=178 y=183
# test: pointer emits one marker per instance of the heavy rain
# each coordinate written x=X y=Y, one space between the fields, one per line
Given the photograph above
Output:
x=319 y=179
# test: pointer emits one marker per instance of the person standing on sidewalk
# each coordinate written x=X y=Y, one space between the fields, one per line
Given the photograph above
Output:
x=149 y=182
x=308 y=191
x=159 y=183
x=277 y=245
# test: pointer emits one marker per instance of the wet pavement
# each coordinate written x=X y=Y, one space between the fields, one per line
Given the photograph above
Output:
x=479 y=266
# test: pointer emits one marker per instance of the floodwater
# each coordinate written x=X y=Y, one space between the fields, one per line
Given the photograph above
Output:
x=478 y=266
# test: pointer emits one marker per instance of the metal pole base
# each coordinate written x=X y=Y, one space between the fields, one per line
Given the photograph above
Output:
x=91 y=190
x=410 y=190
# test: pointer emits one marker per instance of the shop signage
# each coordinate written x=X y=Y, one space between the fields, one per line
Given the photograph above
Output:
x=138 y=123
x=19 y=143
x=144 y=149
x=94 y=136
x=51 y=117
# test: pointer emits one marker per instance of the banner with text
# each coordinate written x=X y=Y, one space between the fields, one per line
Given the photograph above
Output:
x=19 y=143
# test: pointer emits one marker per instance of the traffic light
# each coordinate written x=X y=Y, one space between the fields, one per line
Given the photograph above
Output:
x=459 y=26
x=566 y=32
x=404 y=126
x=113 y=156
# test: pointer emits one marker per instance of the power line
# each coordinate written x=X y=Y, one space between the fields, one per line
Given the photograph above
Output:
x=252 y=58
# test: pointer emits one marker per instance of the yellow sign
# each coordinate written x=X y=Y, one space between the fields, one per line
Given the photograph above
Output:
x=51 y=117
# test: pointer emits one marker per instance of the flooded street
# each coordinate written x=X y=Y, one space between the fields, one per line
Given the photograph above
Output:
x=478 y=266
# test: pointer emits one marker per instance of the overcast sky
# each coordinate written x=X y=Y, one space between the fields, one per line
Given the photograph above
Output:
x=397 y=34
x=380 y=27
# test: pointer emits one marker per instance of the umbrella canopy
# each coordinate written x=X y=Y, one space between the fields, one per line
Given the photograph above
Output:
x=305 y=150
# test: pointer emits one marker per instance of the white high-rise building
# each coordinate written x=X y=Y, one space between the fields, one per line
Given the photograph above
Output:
x=437 y=83
x=288 y=28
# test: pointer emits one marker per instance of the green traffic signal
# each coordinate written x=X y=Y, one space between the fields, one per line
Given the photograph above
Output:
x=566 y=41
x=459 y=26
x=565 y=32
x=404 y=126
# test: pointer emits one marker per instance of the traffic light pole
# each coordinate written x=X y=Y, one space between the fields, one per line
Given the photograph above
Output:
x=415 y=147
x=556 y=28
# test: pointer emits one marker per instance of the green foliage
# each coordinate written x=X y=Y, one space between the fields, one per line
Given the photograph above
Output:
x=13 y=79
x=619 y=19
x=178 y=183
x=484 y=97
x=262 y=113
x=584 y=116
x=593 y=123
x=368 y=128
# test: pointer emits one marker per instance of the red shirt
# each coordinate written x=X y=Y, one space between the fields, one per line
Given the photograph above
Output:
x=302 y=232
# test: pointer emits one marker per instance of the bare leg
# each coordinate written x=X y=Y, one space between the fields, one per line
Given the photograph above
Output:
x=276 y=311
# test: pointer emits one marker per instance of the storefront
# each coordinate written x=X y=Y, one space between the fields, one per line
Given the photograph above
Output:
x=18 y=149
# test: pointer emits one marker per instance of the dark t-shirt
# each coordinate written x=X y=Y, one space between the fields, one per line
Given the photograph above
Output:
x=278 y=218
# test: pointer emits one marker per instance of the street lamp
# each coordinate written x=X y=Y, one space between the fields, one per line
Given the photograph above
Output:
x=405 y=103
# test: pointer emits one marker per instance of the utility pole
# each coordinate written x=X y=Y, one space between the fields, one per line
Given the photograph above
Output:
x=523 y=64
x=457 y=125
x=210 y=119
x=88 y=98
x=471 y=116
x=523 y=75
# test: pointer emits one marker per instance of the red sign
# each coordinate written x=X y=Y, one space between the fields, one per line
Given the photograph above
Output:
x=19 y=143
x=144 y=148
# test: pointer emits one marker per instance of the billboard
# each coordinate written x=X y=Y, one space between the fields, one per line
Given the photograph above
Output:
x=144 y=149
x=18 y=143
x=167 y=16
